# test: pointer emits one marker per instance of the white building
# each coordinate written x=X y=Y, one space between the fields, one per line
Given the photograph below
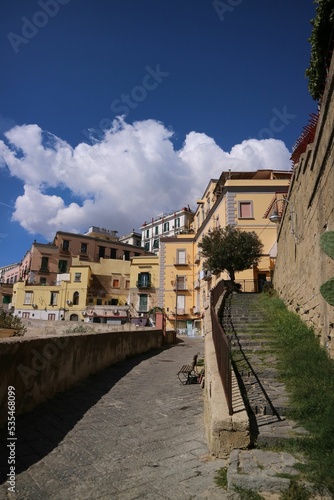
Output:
x=166 y=224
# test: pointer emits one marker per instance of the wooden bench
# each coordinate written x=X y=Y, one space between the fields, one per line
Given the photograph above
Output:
x=187 y=372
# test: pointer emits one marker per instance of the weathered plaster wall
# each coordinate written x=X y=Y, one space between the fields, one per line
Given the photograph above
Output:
x=38 y=368
x=301 y=265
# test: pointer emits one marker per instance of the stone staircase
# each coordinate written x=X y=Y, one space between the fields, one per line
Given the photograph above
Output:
x=255 y=365
x=260 y=468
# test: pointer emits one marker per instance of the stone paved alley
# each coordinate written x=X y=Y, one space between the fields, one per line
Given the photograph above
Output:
x=131 y=431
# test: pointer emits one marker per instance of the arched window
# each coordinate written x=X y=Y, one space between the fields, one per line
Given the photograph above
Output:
x=76 y=298
x=74 y=317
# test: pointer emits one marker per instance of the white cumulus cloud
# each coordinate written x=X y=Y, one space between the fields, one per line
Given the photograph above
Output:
x=129 y=176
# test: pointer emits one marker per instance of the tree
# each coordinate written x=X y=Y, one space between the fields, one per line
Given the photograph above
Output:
x=229 y=249
x=8 y=320
x=321 y=41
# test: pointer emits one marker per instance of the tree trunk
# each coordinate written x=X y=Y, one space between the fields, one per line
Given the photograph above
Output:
x=232 y=274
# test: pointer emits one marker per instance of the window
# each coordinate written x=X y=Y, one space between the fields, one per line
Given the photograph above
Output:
x=51 y=317
x=166 y=227
x=156 y=230
x=144 y=280
x=62 y=266
x=76 y=298
x=147 y=246
x=114 y=302
x=66 y=245
x=181 y=283
x=99 y=302
x=113 y=253
x=181 y=257
x=177 y=223
x=156 y=244
x=77 y=276
x=126 y=254
x=83 y=248
x=245 y=210
x=143 y=302
x=25 y=315
x=102 y=251
x=181 y=302
x=42 y=281
x=147 y=233
x=115 y=283
x=45 y=264
x=53 y=298
x=28 y=298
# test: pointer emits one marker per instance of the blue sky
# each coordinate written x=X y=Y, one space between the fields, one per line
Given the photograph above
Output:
x=112 y=111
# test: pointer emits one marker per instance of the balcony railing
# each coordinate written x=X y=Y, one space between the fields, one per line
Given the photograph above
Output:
x=197 y=257
x=180 y=285
x=182 y=261
x=143 y=308
x=207 y=275
x=143 y=284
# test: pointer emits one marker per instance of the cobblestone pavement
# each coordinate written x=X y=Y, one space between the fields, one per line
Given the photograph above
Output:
x=131 y=431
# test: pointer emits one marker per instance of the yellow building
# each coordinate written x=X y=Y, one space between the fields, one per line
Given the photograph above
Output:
x=239 y=199
x=90 y=291
x=144 y=285
x=66 y=299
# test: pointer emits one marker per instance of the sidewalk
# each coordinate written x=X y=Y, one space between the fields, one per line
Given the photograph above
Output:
x=131 y=431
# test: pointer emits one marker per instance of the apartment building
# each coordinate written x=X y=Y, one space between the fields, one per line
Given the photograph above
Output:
x=144 y=284
x=95 y=292
x=239 y=199
x=163 y=225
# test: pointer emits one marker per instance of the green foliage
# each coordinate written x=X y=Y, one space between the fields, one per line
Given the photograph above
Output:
x=7 y=320
x=327 y=291
x=229 y=249
x=80 y=329
x=221 y=477
x=245 y=494
x=327 y=288
x=308 y=373
x=296 y=491
x=327 y=243
x=321 y=46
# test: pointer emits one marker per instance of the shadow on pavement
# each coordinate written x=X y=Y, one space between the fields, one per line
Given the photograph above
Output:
x=41 y=430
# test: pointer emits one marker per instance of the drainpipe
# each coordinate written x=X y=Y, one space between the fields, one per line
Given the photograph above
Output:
x=176 y=290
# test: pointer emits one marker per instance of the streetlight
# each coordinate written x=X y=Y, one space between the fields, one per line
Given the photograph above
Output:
x=276 y=217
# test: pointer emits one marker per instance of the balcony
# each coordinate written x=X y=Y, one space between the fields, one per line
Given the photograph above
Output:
x=197 y=257
x=142 y=284
x=44 y=270
x=142 y=308
x=207 y=276
x=180 y=285
x=183 y=260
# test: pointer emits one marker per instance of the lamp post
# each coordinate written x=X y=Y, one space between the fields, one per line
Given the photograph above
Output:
x=276 y=217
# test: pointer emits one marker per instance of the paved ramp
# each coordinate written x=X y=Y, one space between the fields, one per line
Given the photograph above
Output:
x=131 y=431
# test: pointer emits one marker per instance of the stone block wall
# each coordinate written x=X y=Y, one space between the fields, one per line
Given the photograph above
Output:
x=301 y=265
x=38 y=368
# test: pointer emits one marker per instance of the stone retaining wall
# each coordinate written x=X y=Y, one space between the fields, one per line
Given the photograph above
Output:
x=38 y=368
x=302 y=266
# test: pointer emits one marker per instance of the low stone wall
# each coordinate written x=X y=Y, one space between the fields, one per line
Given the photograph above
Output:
x=38 y=327
x=38 y=368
